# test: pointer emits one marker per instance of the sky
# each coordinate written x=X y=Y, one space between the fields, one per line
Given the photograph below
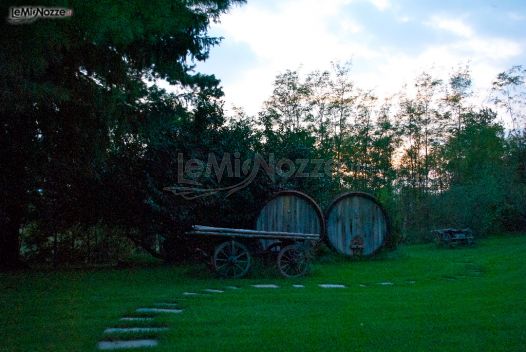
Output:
x=389 y=42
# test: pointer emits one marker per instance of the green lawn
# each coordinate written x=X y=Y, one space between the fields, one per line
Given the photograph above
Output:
x=466 y=299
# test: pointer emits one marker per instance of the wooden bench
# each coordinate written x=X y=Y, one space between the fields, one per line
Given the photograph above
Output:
x=453 y=237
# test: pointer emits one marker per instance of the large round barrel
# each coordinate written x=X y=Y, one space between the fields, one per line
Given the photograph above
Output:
x=290 y=211
x=356 y=224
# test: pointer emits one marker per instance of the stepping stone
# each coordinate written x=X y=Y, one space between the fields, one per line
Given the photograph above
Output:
x=113 y=345
x=190 y=293
x=212 y=290
x=265 y=286
x=411 y=282
x=136 y=318
x=298 y=286
x=386 y=283
x=232 y=287
x=134 y=329
x=332 y=286
x=158 y=310
x=362 y=285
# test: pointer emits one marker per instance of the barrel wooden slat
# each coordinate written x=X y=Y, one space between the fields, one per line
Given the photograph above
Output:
x=353 y=215
x=290 y=211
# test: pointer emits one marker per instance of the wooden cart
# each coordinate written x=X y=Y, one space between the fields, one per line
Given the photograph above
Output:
x=287 y=227
x=235 y=248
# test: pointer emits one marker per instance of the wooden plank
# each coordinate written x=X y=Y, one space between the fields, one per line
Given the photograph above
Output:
x=202 y=228
x=261 y=235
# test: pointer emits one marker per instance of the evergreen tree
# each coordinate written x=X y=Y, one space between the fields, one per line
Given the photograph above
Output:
x=74 y=90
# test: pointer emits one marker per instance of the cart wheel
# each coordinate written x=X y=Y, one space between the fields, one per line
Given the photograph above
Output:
x=437 y=238
x=231 y=259
x=293 y=261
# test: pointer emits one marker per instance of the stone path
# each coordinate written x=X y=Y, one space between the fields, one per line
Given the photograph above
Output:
x=114 y=345
x=265 y=286
x=171 y=307
x=212 y=290
x=136 y=318
x=332 y=286
x=134 y=330
x=158 y=310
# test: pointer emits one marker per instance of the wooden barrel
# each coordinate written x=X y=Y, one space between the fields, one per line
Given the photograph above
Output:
x=290 y=211
x=356 y=224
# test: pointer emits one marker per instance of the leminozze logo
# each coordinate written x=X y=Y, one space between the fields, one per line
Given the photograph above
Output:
x=28 y=14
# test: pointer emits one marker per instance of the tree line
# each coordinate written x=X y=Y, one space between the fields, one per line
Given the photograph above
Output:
x=89 y=143
x=431 y=153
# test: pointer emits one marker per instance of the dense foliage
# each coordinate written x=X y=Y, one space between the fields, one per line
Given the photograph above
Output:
x=79 y=116
x=89 y=141
x=432 y=154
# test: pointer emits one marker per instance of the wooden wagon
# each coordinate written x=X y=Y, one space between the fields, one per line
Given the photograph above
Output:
x=287 y=228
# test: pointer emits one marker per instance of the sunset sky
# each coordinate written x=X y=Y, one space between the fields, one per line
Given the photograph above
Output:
x=389 y=42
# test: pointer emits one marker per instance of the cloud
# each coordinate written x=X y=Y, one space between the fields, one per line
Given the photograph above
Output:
x=515 y=16
x=455 y=26
x=348 y=25
x=493 y=49
x=485 y=57
x=311 y=33
x=298 y=32
x=381 y=5
x=306 y=32
x=470 y=44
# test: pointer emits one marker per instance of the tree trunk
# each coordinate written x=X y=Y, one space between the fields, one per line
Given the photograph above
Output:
x=10 y=241
x=13 y=188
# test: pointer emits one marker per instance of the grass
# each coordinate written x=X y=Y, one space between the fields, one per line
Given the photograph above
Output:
x=469 y=299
